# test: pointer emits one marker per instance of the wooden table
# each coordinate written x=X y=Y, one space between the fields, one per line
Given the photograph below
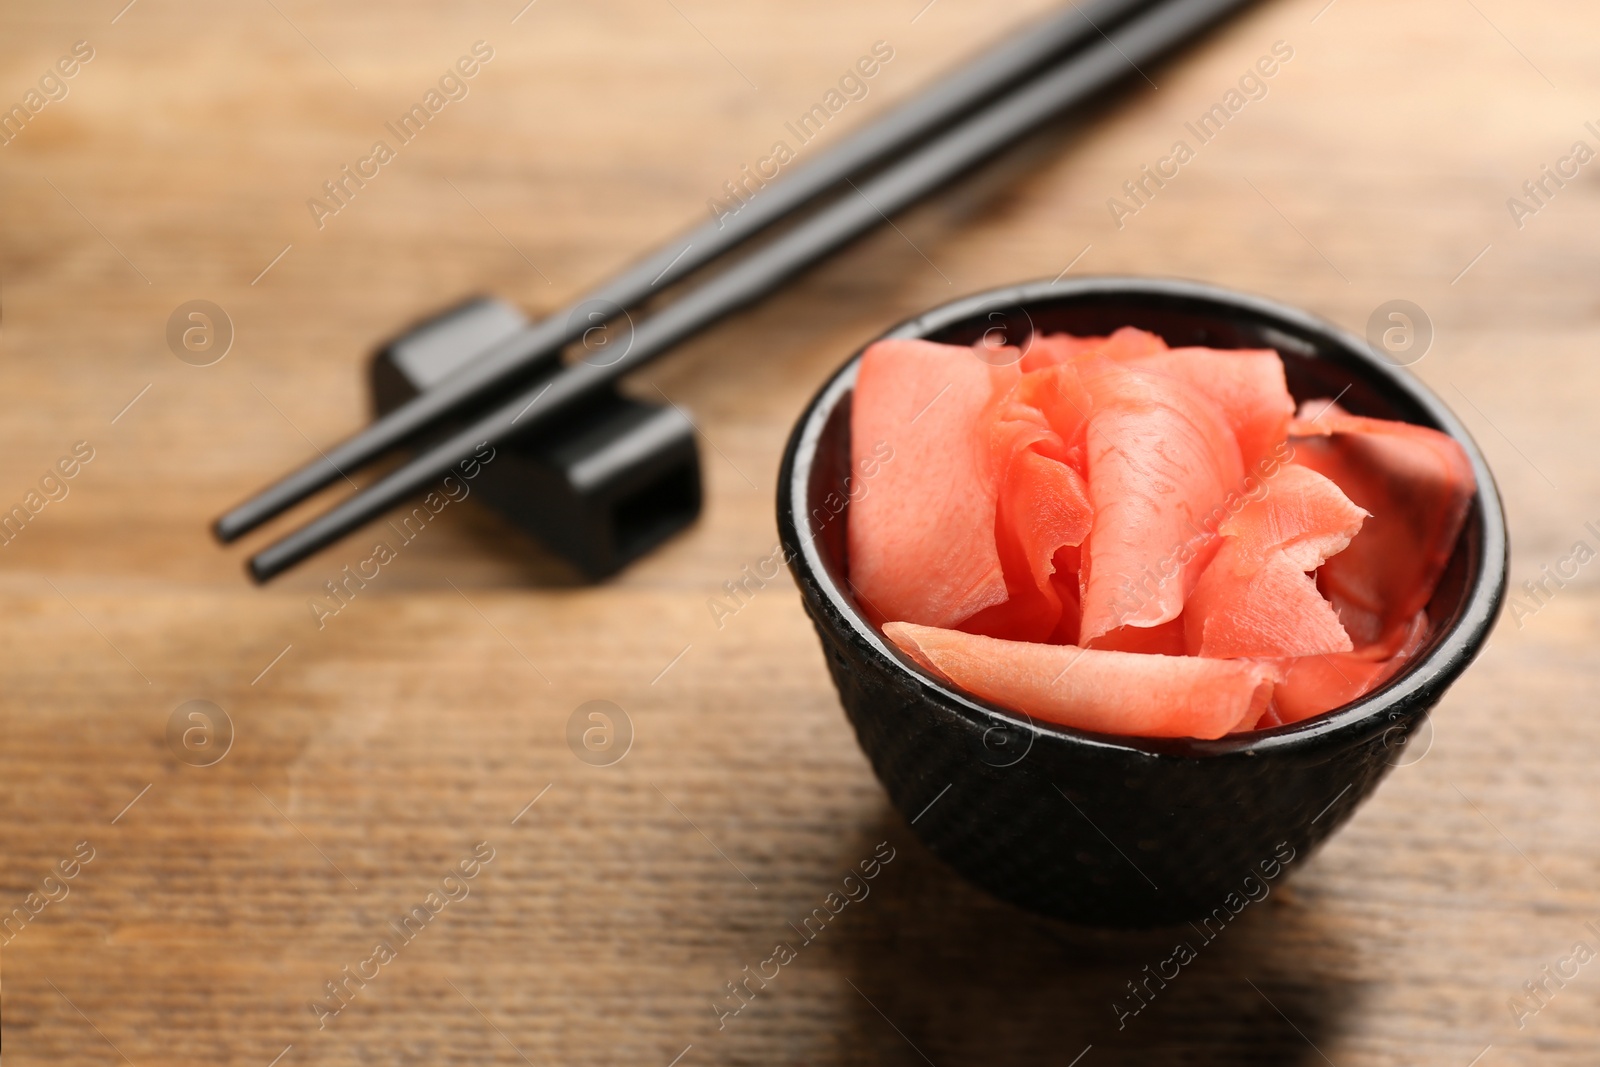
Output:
x=371 y=756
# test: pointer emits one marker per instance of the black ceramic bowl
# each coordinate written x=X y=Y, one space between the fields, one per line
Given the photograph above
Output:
x=1109 y=830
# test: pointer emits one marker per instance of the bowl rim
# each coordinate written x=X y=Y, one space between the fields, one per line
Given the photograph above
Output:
x=1414 y=689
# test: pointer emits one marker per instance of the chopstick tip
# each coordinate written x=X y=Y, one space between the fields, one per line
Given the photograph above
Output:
x=261 y=572
x=225 y=531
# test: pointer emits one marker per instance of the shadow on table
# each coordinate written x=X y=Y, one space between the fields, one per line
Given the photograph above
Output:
x=948 y=975
x=511 y=555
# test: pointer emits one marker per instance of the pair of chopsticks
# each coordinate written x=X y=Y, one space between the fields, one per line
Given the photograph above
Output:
x=919 y=147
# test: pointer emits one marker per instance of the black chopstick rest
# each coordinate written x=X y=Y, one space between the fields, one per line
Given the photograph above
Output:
x=600 y=487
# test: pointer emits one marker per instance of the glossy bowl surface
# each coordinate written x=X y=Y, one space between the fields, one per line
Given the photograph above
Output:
x=1111 y=830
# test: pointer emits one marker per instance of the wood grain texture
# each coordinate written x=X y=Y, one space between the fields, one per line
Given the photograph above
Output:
x=423 y=718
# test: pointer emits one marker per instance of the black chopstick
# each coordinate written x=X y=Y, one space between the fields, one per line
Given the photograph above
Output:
x=1140 y=40
x=953 y=96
